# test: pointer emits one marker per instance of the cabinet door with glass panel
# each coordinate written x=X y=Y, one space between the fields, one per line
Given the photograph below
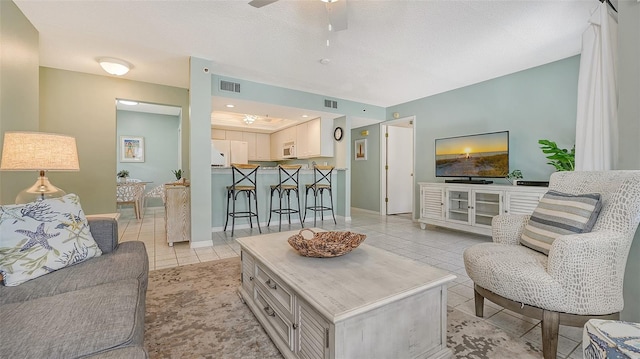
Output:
x=458 y=205
x=484 y=206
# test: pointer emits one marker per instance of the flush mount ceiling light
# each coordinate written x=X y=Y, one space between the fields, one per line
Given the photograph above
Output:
x=328 y=1
x=230 y=106
x=249 y=119
x=114 y=66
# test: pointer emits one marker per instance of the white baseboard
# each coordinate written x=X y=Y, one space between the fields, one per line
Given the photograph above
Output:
x=276 y=222
x=200 y=244
x=367 y=211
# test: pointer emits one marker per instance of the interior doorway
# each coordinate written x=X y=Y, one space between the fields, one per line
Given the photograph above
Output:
x=149 y=144
x=397 y=166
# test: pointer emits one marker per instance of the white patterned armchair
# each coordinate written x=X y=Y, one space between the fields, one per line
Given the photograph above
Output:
x=583 y=274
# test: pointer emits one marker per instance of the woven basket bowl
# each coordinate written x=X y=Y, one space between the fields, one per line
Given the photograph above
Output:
x=325 y=244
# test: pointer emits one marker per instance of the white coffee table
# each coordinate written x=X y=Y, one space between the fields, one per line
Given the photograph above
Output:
x=366 y=304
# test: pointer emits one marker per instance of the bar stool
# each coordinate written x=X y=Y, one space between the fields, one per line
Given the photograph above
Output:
x=287 y=182
x=244 y=179
x=321 y=182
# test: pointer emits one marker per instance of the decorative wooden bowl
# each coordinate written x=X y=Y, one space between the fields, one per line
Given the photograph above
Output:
x=325 y=244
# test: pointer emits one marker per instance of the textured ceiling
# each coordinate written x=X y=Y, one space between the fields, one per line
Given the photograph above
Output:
x=392 y=52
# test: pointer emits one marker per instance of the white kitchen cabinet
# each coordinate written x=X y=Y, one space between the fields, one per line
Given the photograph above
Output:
x=276 y=145
x=302 y=142
x=314 y=138
x=263 y=147
x=288 y=135
x=470 y=207
x=250 y=139
x=217 y=134
x=233 y=135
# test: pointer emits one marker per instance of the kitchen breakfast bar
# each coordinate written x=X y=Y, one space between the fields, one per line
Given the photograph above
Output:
x=267 y=176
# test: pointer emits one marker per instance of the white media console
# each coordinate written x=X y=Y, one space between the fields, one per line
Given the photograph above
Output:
x=470 y=207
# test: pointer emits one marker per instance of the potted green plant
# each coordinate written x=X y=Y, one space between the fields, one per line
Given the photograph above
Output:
x=514 y=176
x=122 y=175
x=560 y=158
x=178 y=174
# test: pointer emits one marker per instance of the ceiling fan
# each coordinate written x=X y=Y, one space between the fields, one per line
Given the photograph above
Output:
x=337 y=11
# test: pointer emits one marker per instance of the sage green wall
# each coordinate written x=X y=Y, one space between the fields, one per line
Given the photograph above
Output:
x=83 y=105
x=629 y=126
x=538 y=103
x=365 y=175
x=18 y=89
x=200 y=150
x=160 y=134
x=259 y=92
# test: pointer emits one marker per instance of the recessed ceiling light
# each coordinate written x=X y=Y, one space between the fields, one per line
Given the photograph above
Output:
x=305 y=116
x=128 y=103
x=230 y=106
x=325 y=61
x=114 y=66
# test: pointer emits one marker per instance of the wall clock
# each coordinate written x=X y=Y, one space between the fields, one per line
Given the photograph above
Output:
x=337 y=133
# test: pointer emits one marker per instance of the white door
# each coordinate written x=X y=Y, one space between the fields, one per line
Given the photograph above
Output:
x=399 y=169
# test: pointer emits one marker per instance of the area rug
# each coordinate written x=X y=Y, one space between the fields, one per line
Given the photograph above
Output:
x=194 y=311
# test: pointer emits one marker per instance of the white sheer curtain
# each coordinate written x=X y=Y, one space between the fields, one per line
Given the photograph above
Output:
x=597 y=117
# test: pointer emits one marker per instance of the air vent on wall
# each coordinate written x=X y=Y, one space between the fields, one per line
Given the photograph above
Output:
x=229 y=86
x=330 y=104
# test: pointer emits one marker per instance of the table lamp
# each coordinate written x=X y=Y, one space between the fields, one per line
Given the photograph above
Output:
x=39 y=151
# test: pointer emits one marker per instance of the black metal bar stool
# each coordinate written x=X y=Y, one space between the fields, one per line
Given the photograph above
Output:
x=244 y=181
x=321 y=183
x=287 y=182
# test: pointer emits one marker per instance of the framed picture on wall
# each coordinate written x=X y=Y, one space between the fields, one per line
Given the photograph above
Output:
x=131 y=149
x=361 y=149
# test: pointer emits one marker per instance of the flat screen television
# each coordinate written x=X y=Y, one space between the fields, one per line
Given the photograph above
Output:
x=484 y=155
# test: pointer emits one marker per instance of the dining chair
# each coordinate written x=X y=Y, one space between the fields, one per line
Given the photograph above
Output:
x=130 y=193
x=156 y=192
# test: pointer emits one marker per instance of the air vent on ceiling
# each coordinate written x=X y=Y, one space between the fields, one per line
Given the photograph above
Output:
x=330 y=104
x=229 y=86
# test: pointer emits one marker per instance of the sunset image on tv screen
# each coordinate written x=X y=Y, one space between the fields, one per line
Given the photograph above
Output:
x=484 y=155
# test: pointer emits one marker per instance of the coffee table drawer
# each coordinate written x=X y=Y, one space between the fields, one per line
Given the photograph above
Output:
x=248 y=271
x=274 y=289
x=282 y=326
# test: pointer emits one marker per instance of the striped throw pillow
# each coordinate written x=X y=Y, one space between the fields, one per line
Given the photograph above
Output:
x=560 y=214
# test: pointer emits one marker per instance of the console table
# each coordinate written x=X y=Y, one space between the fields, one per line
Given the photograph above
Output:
x=365 y=304
x=177 y=213
x=470 y=207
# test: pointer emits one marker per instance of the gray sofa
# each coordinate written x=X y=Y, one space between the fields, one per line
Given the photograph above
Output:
x=92 y=309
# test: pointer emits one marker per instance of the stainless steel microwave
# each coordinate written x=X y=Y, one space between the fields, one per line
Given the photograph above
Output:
x=289 y=150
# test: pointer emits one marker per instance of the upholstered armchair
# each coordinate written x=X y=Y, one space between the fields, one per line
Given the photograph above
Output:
x=581 y=277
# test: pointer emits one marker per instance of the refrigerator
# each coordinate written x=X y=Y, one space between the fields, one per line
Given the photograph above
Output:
x=225 y=152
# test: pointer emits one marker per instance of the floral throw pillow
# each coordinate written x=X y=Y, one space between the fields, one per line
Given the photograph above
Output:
x=40 y=237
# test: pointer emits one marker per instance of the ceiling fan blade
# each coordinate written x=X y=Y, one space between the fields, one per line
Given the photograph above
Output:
x=337 y=12
x=261 y=3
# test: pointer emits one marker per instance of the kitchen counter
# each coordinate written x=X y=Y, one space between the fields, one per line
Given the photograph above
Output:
x=267 y=176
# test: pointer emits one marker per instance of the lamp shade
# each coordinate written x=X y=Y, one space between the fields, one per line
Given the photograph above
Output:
x=37 y=151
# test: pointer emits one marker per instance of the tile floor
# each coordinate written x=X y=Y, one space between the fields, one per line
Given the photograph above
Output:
x=398 y=234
